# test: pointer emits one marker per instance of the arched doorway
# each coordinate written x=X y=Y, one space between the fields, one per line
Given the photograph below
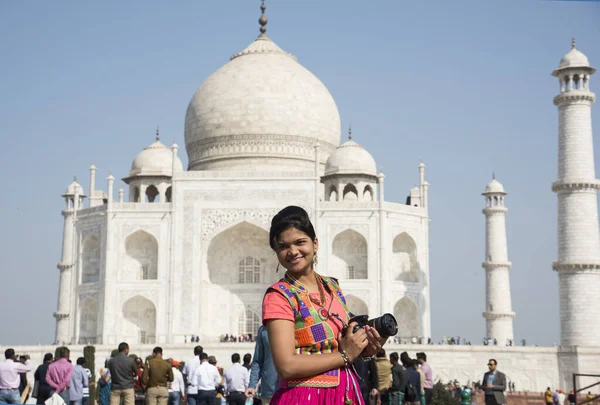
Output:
x=350 y=255
x=404 y=258
x=407 y=316
x=140 y=320
x=142 y=257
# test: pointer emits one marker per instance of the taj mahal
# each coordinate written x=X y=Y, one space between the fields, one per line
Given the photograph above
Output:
x=173 y=251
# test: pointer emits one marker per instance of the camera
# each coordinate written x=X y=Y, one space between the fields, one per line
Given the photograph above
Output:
x=385 y=325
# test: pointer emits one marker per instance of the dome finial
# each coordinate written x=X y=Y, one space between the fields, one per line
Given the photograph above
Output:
x=263 y=18
x=157 y=133
x=573 y=43
x=493 y=175
x=75 y=179
x=350 y=132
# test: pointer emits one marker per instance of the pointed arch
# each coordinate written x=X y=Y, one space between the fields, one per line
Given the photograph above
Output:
x=88 y=321
x=368 y=193
x=151 y=194
x=350 y=192
x=356 y=305
x=406 y=313
x=350 y=255
x=404 y=258
x=91 y=260
x=168 y=194
x=140 y=320
x=333 y=193
x=142 y=257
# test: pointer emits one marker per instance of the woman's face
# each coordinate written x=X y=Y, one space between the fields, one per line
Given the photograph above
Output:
x=295 y=250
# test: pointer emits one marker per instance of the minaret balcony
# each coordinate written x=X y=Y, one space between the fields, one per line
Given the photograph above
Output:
x=573 y=96
x=498 y=315
x=574 y=185
x=576 y=267
x=496 y=265
x=64 y=266
x=59 y=316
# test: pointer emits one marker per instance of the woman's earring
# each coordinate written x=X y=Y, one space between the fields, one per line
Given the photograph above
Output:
x=277 y=270
x=316 y=259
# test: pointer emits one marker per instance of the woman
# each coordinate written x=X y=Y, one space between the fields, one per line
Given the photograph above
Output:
x=306 y=315
x=104 y=384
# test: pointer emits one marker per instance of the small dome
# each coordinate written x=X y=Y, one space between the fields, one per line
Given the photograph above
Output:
x=494 y=186
x=574 y=58
x=74 y=188
x=351 y=158
x=155 y=160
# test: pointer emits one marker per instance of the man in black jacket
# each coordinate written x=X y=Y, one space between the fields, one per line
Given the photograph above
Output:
x=368 y=381
x=43 y=391
x=399 y=381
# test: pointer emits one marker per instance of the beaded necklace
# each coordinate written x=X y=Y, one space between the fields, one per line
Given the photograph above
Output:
x=324 y=313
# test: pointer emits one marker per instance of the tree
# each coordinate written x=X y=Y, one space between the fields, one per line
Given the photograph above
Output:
x=89 y=353
x=441 y=396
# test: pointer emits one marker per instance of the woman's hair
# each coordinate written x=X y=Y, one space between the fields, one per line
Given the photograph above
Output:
x=290 y=217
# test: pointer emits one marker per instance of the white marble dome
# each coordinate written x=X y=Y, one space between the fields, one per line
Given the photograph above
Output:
x=494 y=186
x=351 y=158
x=262 y=110
x=155 y=160
x=74 y=188
x=574 y=58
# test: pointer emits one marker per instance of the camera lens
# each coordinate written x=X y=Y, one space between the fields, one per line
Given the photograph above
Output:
x=385 y=325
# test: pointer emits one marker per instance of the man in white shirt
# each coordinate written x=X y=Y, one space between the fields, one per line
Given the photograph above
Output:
x=207 y=379
x=189 y=372
x=176 y=387
x=236 y=378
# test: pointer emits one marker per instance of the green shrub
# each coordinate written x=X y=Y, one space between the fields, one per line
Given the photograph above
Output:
x=89 y=353
x=441 y=395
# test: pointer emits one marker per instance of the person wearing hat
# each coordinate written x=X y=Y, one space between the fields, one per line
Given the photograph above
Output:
x=177 y=386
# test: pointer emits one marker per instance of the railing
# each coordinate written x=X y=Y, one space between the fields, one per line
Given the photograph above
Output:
x=577 y=391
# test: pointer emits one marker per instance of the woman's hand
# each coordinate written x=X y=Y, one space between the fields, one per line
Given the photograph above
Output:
x=353 y=343
x=375 y=342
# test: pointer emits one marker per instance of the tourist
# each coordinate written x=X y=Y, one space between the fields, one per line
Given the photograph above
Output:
x=9 y=377
x=328 y=377
x=262 y=369
x=157 y=375
x=572 y=398
x=384 y=376
x=123 y=372
x=177 y=386
x=39 y=377
x=399 y=381
x=189 y=373
x=414 y=378
x=426 y=369
x=494 y=384
x=236 y=380
x=207 y=378
x=79 y=379
x=59 y=374
x=562 y=397
x=85 y=400
x=548 y=397
x=247 y=361
x=104 y=384
x=555 y=397
x=368 y=378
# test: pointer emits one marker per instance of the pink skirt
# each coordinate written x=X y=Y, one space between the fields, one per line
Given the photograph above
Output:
x=321 y=396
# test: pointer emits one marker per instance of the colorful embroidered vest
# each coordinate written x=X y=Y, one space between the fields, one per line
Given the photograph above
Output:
x=313 y=334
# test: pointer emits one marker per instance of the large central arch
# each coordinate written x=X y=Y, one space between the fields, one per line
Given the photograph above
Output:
x=140 y=320
x=241 y=255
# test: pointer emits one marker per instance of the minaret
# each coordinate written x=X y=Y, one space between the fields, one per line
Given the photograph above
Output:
x=578 y=263
x=73 y=202
x=498 y=308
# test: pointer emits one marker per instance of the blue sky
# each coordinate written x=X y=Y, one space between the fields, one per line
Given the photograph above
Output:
x=464 y=85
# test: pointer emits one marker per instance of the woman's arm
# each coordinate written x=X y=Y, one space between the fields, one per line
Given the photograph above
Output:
x=290 y=365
